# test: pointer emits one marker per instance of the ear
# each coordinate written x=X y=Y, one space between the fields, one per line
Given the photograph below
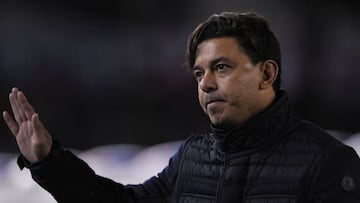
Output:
x=269 y=69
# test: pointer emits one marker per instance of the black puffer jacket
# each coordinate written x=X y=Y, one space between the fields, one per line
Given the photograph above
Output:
x=273 y=158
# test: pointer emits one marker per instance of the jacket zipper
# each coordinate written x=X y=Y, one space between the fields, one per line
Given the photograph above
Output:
x=221 y=181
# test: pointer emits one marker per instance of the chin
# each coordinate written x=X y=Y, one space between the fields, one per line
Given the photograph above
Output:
x=222 y=124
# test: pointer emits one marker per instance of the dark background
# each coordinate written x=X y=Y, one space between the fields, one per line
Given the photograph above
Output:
x=105 y=72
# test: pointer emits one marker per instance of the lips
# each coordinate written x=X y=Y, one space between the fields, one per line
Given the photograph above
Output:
x=211 y=99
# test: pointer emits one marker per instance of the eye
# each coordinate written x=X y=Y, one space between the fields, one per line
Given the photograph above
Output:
x=220 y=67
x=198 y=74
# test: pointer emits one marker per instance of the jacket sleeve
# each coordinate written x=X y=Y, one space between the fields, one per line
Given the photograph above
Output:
x=70 y=180
x=336 y=177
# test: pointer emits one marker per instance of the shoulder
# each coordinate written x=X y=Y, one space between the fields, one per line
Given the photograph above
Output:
x=333 y=168
x=334 y=175
x=327 y=151
x=313 y=138
x=311 y=143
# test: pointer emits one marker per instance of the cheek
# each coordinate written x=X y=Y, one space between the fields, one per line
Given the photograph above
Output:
x=200 y=96
x=249 y=82
x=239 y=91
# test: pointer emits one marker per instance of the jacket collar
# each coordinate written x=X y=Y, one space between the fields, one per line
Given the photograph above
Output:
x=264 y=128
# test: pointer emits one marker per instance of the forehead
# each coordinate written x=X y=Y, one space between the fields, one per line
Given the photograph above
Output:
x=225 y=47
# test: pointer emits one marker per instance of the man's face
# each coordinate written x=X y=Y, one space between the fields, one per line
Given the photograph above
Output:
x=228 y=83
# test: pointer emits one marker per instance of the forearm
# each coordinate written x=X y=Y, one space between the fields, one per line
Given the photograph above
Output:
x=69 y=179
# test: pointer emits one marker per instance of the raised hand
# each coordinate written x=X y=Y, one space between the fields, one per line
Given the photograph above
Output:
x=32 y=138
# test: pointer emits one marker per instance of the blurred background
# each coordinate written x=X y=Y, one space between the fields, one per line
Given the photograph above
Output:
x=111 y=71
x=108 y=77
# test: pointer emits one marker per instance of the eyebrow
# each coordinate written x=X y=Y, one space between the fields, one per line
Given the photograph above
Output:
x=214 y=62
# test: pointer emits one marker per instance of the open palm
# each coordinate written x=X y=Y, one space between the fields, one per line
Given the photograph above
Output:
x=32 y=138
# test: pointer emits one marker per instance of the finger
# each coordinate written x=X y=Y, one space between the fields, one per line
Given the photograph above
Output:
x=38 y=128
x=29 y=128
x=26 y=106
x=13 y=126
x=37 y=125
x=18 y=104
x=20 y=115
x=14 y=107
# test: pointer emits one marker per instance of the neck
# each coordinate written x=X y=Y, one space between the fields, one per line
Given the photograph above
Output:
x=264 y=128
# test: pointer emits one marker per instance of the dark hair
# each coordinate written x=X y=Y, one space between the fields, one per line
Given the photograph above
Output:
x=251 y=31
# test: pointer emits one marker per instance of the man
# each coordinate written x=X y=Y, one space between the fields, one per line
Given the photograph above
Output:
x=259 y=150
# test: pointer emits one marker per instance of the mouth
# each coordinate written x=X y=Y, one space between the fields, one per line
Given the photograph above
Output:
x=213 y=101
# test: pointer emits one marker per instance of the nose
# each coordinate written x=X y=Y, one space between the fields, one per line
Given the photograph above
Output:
x=208 y=82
